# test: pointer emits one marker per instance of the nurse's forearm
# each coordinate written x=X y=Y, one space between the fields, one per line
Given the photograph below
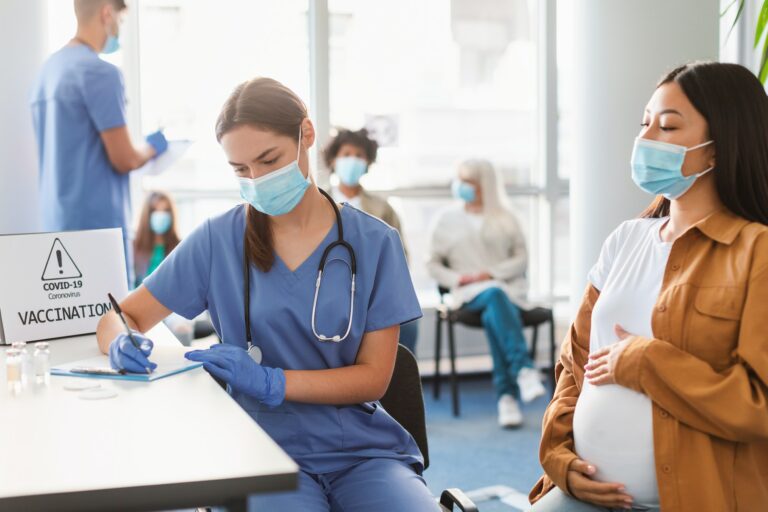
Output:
x=339 y=386
x=109 y=327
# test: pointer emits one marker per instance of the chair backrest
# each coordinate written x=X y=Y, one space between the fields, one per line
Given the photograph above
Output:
x=404 y=400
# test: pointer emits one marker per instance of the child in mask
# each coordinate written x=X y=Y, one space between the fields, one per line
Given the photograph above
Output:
x=156 y=236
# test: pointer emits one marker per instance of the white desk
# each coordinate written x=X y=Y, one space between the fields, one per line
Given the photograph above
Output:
x=176 y=442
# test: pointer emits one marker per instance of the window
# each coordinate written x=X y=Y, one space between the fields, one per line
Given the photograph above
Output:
x=186 y=77
x=454 y=80
x=436 y=81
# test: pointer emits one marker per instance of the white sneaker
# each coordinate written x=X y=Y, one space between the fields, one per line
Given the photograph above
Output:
x=509 y=412
x=530 y=384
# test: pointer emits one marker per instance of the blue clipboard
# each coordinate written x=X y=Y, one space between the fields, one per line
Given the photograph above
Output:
x=170 y=361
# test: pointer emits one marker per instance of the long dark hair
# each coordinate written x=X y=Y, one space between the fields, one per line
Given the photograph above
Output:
x=145 y=237
x=269 y=105
x=735 y=105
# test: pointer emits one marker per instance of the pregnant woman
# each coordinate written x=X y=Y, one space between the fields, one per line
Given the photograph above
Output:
x=662 y=391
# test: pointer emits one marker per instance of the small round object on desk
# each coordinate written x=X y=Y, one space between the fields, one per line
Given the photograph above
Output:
x=97 y=394
x=80 y=385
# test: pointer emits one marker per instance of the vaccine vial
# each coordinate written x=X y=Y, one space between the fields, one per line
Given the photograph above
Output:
x=13 y=370
x=27 y=372
x=42 y=363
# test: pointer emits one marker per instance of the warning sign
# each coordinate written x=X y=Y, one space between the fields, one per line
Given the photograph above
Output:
x=54 y=285
x=60 y=264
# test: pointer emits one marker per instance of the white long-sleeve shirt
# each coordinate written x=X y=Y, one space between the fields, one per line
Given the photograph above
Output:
x=466 y=243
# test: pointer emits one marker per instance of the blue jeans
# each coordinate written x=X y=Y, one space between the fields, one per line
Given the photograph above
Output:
x=504 y=328
x=409 y=334
x=376 y=485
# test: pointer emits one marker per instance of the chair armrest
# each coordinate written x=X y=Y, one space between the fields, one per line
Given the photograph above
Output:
x=451 y=497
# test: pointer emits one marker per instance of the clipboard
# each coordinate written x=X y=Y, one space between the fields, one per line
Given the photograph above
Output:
x=170 y=361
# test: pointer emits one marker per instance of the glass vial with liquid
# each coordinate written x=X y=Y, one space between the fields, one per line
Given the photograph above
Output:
x=13 y=370
x=27 y=371
x=42 y=362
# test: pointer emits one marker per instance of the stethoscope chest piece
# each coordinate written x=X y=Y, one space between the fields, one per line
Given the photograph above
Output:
x=255 y=353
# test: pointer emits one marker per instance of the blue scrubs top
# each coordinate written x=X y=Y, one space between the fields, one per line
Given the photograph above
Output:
x=206 y=272
x=76 y=97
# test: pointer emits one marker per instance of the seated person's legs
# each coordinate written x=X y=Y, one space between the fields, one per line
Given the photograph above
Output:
x=513 y=370
x=379 y=485
x=310 y=496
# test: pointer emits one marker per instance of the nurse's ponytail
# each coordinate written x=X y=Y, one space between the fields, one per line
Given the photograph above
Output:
x=268 y=105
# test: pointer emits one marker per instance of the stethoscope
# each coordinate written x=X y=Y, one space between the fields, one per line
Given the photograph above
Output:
x=253 y=350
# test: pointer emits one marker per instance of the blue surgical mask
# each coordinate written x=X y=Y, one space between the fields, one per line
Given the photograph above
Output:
x=112 y=45
x=350 y=169
x=278 y=192
x=657 y=167
x=160 y=222
x=463 y=190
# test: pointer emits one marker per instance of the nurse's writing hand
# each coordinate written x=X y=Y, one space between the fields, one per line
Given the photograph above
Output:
x=123 y=355
x=158 y=142
x=601 y=367
x=585 y=488
x=234 y=366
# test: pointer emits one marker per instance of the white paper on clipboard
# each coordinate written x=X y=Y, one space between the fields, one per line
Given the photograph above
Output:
x=156 y=166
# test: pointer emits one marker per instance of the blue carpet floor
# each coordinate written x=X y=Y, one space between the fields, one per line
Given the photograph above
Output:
x=473 y=452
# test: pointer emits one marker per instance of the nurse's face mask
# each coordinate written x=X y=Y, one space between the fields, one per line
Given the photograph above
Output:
x=113 y=33
x=278 y=192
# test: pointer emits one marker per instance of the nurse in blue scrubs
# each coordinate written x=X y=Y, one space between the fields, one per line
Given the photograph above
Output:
x=320 y=358
x=85 y=152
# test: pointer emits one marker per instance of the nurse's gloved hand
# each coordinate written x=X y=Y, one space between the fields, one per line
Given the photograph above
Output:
x=158 y=142
x=123 y=355
x=234 y=366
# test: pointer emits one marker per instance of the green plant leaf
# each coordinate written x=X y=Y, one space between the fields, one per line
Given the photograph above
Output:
x=738 y=15
x=761 y=21
x=728 y=8
x=763 y=73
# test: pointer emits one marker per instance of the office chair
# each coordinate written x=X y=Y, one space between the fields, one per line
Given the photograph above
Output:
x=532 y=318
x=404 y=401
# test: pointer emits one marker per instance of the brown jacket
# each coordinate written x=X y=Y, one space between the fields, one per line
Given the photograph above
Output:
x=380 y=208
x=706 y=372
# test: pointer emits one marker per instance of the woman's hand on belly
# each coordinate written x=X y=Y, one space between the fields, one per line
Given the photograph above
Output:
x=583 y=487
x=601 y=367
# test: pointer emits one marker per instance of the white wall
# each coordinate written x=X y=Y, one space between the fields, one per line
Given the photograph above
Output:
x=23 y=46
x=622 y=48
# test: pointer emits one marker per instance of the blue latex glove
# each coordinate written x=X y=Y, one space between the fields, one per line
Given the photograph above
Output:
x=124 y=356
x=158 y=141
x=234 y=366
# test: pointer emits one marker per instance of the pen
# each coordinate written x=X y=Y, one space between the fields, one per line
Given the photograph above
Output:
x=96 y=371
x=125 y=324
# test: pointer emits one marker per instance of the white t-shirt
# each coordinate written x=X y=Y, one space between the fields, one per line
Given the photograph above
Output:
x=339 y=197
x=612 y=425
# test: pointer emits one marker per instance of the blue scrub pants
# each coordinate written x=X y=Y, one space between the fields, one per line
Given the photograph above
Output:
x=409 y=334
x=504 y=328
x=375 y=485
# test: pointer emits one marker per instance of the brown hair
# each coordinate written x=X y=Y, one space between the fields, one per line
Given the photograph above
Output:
x=145 y=237
x=268 y=105
x=735 y=105
x=86 y=9
x=359 y=139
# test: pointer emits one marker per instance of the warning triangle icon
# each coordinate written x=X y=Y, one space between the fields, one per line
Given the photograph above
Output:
x=60 y=264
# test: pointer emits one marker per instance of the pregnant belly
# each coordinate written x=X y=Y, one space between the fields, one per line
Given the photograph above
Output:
x=613 y=430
